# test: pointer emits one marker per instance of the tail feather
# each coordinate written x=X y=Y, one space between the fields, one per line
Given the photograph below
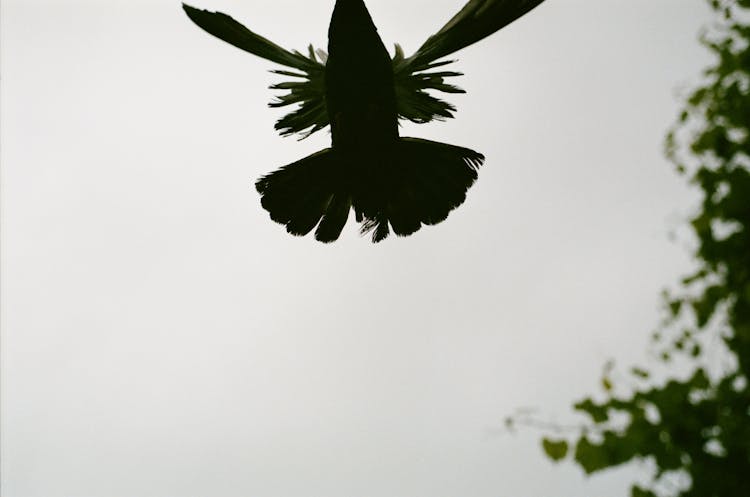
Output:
x=334 y=219
x=413 y=183
x=300 y=194
x=308 y=214
x=421 y=183
x=378 y=226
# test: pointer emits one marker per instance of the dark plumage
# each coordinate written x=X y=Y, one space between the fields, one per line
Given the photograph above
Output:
x=390 y=182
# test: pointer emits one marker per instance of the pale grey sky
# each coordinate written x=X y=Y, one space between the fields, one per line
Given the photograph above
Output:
x=162 y=337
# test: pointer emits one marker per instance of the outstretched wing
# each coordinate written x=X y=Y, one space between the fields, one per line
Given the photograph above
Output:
x=475 y=21
x=307 y=90
x=413 y=76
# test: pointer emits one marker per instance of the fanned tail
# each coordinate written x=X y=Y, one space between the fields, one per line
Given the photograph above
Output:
x=312 y=191
x=411 y=183
x=420 y=183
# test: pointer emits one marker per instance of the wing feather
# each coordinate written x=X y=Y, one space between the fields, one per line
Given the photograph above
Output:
x=308 y=92
x=475 y=21
x=414 y=76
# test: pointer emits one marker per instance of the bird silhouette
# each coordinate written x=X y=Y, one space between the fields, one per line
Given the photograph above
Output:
x=391 y=182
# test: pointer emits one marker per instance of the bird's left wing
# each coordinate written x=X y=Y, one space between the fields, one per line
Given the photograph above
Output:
x=307 y=90
x=414 y=75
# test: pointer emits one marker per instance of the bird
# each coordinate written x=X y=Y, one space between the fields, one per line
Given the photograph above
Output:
x=362 y=92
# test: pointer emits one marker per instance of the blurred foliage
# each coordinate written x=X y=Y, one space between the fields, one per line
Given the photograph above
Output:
x=694 y=427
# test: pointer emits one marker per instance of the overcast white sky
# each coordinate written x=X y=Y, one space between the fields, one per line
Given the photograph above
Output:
x=162 y=337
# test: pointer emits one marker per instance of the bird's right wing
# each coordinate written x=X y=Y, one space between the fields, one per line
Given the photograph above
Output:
x=308 y=90
x=475 y=21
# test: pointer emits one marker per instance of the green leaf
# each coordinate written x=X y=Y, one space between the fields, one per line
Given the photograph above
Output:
x=696 y=351
x=597 y=412
x=591 y=457
x=640 y=373
x=674 y=307
x=555 y=449
x=636 y=491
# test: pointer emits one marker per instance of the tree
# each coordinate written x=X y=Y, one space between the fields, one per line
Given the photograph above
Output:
x=694 y=427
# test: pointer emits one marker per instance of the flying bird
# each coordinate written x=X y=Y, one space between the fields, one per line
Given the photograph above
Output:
x=361 y=91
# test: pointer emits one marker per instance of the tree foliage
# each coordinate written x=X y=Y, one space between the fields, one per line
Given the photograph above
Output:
x=694 y=428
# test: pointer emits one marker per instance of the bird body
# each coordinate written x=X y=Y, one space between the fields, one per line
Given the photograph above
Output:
x=390 y=182
x=359 y=88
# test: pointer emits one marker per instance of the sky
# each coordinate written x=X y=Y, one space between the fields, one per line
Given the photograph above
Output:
x=161 y=336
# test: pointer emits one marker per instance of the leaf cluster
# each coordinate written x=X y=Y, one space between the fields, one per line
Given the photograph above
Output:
x=695 y=430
